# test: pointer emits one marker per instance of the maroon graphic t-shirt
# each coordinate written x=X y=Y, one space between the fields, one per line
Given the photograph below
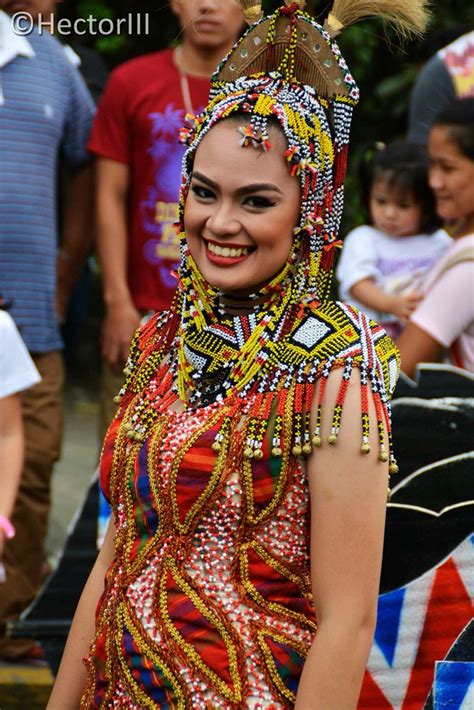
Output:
x=137 y=123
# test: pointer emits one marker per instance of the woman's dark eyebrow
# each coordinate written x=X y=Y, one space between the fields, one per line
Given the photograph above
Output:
x=254 y=187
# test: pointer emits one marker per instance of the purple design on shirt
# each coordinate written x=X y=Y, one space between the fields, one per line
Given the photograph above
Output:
x=159 y=209
x=387 y=267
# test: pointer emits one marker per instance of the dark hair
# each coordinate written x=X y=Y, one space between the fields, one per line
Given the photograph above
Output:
x=458 y=118
x=404 y=166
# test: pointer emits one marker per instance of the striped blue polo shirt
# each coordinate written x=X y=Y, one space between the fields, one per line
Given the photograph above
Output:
x=45 y=110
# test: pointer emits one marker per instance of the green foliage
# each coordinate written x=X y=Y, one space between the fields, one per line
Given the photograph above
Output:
x=116 y=49
x=96 y=9
x=107 y=45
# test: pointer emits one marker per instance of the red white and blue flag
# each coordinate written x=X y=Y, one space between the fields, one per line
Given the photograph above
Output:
x=416 y=628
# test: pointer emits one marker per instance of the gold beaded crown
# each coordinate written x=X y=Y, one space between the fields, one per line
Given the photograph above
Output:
x=292 y=45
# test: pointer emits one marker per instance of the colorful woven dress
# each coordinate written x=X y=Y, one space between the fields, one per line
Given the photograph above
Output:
x=207 y=603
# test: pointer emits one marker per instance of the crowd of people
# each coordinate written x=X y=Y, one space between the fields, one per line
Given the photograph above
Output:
x=223 y=439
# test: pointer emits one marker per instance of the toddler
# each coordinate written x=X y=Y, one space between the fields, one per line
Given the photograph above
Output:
x=383 y=264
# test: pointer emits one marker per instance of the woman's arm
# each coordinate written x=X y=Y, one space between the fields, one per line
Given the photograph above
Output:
x=71 y=677
x=121 y=317
x=416 y=345
x=400 y=305
x=446 y=312
x=11 y=455
x=348 y=499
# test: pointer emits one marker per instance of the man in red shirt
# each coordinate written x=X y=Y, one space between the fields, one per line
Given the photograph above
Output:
x=135 y=138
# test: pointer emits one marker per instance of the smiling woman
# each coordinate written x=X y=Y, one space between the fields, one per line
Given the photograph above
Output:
x=238 y=224
x=442 y=327
x=247 y=465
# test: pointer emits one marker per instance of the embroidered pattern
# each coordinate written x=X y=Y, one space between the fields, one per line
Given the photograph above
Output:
x=211 y=543
x=164 y=607
x=285 y=660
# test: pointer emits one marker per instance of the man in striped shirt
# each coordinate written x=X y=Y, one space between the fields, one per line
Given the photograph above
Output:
x=45 y=111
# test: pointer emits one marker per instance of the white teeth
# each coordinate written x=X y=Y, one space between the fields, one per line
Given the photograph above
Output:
x=227 y=251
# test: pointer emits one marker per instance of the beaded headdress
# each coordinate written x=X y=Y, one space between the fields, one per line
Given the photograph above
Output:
x=286 y=68
x=289 y=69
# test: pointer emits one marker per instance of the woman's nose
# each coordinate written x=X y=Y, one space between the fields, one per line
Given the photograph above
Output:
x=203 y=7
x=222 y=221
x=435 y=178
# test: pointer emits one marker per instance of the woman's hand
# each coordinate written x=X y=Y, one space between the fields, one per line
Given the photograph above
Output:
x=120 y=324
x=399 y=305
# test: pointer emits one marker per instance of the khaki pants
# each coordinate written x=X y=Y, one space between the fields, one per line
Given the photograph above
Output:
x=24 y=556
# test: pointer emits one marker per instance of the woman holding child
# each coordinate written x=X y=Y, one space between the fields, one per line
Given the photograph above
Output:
x=443 y=324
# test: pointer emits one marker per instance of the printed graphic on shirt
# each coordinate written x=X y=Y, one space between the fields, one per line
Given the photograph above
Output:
x=458 y=59
x=160 y=208
x=403 y=275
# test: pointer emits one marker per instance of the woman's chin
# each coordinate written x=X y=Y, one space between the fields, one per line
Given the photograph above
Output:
x=445 y=211
x=223 y=279
x=230 y=285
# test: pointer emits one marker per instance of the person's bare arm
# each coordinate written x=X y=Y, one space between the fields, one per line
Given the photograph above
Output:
x=121 y=316
x=71 y=677
x=77 y=234
x=348 y=501
x=11 y=455
x=400 y=305
x=415 y=345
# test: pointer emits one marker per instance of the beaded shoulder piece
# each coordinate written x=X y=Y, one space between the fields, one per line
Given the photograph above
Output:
x=281 y=385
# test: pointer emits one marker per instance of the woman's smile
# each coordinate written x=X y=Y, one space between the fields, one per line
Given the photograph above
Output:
x=226 y=254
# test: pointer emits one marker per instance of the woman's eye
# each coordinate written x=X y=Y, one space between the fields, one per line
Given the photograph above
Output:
x=258 y=202
x=202 y=192
x=444 y=167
